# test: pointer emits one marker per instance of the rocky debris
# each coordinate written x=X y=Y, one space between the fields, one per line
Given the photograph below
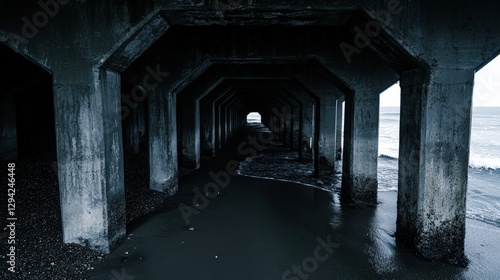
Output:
x=41 y=253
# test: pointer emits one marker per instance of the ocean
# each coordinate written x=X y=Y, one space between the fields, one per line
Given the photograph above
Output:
x=483 y=195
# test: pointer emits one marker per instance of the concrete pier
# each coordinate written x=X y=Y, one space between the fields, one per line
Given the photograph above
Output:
x=201 y=67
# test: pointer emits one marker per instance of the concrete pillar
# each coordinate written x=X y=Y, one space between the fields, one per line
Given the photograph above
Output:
x=226 y=118
x=8 y=126
x=217 y=119
x=207 y=124
x=218 y=126
x=433 y=161
x=163 y=166
x=307 y=132
x=338 y=135
x=297 y=100
x=359 y=177
x=138 y=127
x=296 y=126
x=327 y=140
x=90 y=158
x=286 y=123
x=190 y=134
x=134 y=127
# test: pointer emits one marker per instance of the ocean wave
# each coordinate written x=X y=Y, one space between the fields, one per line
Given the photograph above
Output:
x=387 y=157
x=391 y=113
x=484 y=162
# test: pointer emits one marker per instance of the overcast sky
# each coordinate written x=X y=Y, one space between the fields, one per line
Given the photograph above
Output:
x=486 y=88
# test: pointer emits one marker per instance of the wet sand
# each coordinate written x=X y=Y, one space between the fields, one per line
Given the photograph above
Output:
x=260 y=229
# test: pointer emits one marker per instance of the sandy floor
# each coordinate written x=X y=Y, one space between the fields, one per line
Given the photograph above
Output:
x=259 y=229
x=267 y=229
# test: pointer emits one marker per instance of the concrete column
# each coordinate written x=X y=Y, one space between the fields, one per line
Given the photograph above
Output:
x=190 y=134
x=359 y=178
x=219 y=118
x=307 y=132
x=286 y=123
x=327 y=140
x=137 y=129
x=218 y=126
x=433 y=161
x=226 y=114
x=296 y=126
x=338 y=135
x=133 y=127
x=163 y=166
x=207 y=124
x=90 y=158
x=293 y=119
x=8 y=126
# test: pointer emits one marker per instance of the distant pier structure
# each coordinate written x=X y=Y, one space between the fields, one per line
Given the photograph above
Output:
x=183 y=75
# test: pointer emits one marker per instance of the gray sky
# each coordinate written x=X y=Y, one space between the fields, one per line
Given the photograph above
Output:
x=486 y=88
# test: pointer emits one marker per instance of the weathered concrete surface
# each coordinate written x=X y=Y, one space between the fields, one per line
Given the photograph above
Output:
x=339 y=120
x=133 y=117
x=90 y=159
x=219 y=126
x=8 y=127
x=359 y=177
x=434 y=157
x=190 y=126
x=327 y=131
x=163 y=166
x=207 y=123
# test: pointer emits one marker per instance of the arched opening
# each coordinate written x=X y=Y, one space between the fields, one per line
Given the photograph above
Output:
x=254 y=117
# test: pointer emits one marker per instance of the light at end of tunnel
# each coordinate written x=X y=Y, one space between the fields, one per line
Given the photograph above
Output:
x=253 y=117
